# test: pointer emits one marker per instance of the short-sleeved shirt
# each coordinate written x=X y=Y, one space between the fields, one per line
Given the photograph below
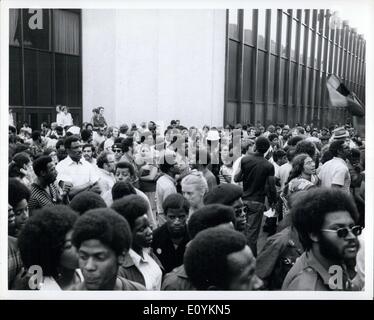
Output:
x=77 y=173
x=40 y=198
x=335 y=171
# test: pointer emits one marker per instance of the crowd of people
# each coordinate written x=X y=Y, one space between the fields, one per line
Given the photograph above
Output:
x=140 y=207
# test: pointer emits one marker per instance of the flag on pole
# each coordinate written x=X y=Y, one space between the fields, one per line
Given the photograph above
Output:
x=340 y=96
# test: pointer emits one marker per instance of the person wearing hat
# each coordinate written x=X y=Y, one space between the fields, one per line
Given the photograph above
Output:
x=340 y=134
x=257 y=175
x=230 y=195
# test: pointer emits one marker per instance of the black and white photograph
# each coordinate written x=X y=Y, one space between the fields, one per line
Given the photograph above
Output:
x=186 y=152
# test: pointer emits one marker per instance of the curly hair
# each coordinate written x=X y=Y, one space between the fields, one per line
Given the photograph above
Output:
x=307 y=147
x=121 y=189
x=85 y=201
x=17 y=191
x=19 y=160
x=205 y=259
x=42 y=239
x=130 y=207
x=309 y=210
x=209 y=216
x=104 y=225
x=297 y=166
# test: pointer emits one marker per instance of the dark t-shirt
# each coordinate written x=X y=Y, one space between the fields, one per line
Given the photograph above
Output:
x=256 y=170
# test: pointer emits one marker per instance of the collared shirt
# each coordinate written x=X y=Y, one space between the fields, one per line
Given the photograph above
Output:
x=40 y=198
x=165 y=186
x=335 y=171
x=149 y=269
x=177 y=280
x=308 y=274
x=77 y=173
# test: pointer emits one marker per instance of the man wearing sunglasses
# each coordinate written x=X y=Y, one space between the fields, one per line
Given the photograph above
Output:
x=230 y=195
x=326 y=220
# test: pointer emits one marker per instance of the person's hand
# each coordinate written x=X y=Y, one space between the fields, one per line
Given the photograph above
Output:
x=66 y=187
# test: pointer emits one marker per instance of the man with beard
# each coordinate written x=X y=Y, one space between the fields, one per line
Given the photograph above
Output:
x=44 y=192
x=102 y=238
x=326 y=220
x=169 y=240
x=75 y=174
x=88 y=151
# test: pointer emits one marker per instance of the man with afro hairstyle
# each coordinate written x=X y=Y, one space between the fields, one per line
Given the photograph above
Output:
x=102 y=238
x=219 y=259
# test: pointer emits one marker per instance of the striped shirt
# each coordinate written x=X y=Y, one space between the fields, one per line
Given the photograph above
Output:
x=41 y=198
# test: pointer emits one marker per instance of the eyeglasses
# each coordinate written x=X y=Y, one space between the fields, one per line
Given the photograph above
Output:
x=241 y=211
x=343 y=232
x=117 y=150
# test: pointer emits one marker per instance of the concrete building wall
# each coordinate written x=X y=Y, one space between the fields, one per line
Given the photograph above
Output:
x=154 y=65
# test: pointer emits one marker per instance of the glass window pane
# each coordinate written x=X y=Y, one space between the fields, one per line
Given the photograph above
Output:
x=247 y=72
x=310 y=52
x=66 y=31
x=44 y=79
x=304 y=30
x=31 y=77
x=14 y=27
x=282 y=77
x=284 y=34
x=260 y=76
x=306 y=16
x=261 y=28
x=15 y=77
x=293 y=39
x=36 y=31
x=248 y=27
x=73 y=81
x=233 y=24
x=233 y=70
x=273 y=31
x=61 y=87
x=272 y=78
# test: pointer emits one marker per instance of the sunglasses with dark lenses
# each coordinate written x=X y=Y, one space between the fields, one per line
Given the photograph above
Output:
x=241 y=211
x=343 y=232
x=117 y=150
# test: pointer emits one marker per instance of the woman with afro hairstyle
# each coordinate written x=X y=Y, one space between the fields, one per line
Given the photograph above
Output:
x=46 y=241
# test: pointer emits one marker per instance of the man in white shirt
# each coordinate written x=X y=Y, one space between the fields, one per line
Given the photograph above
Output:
x=75 y=174
x=335 y=172
x=106 y=168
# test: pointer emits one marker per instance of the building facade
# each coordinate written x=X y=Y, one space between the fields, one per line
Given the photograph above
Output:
x=212 y=67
